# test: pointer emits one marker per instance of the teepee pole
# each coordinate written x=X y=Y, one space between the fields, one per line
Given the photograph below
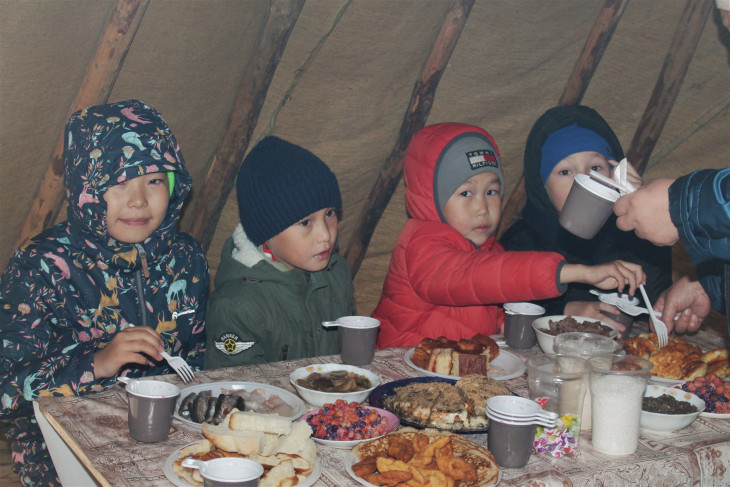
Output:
x=666 y=89
x=250 y=97
x=101 y=74
x=419 y=107
x=575 y=88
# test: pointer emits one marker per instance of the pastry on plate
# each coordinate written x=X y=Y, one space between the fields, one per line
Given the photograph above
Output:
x=459 y=406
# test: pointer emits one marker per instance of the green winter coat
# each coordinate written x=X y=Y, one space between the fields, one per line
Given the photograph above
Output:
x=260 y=312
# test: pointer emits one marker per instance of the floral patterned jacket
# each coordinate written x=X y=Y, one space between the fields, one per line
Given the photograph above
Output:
x=69 y=290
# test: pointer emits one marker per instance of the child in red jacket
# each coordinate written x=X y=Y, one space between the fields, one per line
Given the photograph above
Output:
x=448 y=275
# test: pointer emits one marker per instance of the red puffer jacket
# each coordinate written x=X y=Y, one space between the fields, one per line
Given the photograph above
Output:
x=438 y=282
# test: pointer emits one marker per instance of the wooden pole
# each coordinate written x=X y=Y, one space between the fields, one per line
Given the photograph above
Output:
x=415 y=118
x=575 y=89
x=666 y=89
x=252 y=90
x=101 y=74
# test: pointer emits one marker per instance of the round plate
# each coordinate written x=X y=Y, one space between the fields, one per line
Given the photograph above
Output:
x=393 y=424
x=506 y=366
x=216 y=387
x=382 y=392
x=172 y=476
x=351 y=459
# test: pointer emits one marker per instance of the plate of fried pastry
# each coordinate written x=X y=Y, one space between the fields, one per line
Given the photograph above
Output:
x=679 y=360
x=434 y=402
x=427 y=457
x=453 y=359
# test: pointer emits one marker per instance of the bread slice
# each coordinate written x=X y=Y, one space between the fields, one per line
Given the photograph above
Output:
x=281 y=475
x=298 y=442
x=243 y=442
x=202 y=446
x=189 y=475
x=265 y=423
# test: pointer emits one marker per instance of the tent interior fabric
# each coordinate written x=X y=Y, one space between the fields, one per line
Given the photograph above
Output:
x=343 y=85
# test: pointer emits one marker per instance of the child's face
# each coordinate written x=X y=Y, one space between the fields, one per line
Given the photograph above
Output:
x=309 y=243
x=136 y=207
x=561 y=178
x=475 y=208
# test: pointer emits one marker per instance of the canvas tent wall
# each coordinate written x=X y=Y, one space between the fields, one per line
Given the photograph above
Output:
x=343 y=85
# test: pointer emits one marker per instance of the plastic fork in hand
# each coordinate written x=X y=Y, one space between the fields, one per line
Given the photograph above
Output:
x=180 y=366
x=659 y=327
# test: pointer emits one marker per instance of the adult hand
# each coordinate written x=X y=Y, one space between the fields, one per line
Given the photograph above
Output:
x=646 y=211
x=687 y=299
x=132 y=345
x=592 y=309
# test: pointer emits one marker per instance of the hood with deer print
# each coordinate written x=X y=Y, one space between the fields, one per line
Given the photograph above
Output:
x=66 y=292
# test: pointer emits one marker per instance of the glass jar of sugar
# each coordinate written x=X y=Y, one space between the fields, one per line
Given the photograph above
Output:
x=617 y=386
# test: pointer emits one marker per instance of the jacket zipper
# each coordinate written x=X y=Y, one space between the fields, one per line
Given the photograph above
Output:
x=138 y=281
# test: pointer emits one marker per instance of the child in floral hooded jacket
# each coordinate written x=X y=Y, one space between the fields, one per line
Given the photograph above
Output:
x=101 y=294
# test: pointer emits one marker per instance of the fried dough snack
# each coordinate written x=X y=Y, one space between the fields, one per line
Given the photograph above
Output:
x=679 y=359
x=411 y=458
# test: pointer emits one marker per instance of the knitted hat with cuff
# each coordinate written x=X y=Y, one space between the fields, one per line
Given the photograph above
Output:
x=280 y=183
x=468 y=154
x=568 y=141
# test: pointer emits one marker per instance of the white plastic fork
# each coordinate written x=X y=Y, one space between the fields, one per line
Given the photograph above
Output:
x=622 y=189
x=659 y=327
x=180 y=366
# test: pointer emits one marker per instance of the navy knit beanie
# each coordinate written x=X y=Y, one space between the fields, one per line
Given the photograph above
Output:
x=280 y=183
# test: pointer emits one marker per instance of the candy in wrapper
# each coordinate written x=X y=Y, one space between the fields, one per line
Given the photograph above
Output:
x=562 y=440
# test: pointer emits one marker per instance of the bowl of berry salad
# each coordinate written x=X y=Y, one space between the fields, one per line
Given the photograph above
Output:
x=714 y=391
x=344 y=424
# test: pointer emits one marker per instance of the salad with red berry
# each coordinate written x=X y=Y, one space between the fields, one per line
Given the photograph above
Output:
x=343 y=421
x=713 y=390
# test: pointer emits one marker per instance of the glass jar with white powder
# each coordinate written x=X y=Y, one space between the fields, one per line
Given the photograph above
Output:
x=617 y=386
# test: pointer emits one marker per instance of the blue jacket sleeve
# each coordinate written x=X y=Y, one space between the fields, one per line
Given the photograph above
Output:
x=699 y=205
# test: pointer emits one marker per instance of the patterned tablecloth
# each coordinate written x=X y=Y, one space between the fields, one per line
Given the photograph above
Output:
x=697 y=455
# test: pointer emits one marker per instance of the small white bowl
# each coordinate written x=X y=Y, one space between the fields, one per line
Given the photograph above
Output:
x=545 y=340
x=670 y=422
x=319 y=398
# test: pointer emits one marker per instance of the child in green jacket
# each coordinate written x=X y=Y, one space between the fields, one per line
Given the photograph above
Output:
x=279 y=275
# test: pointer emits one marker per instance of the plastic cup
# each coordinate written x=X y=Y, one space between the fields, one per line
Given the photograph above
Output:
x=510 y=440
x=357 y=337
x=558 y=383
x=617 y=385
x=587 y=207
x=151 y=407
x=511 y=444
x=585 y=345
x=518 y=330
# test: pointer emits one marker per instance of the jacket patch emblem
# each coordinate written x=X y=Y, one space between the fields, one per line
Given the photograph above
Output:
x=482 y=158
x=231 y=344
